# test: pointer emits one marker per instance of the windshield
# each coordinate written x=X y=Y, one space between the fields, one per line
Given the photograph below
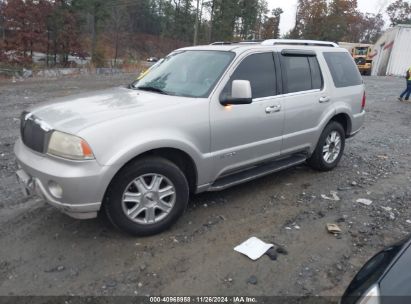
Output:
x=186 y=73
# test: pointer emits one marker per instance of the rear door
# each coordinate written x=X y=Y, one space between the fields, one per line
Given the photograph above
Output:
x=305 y=99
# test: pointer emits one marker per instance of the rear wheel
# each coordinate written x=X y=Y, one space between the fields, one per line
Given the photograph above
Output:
x=330 y=148
x=147 y=196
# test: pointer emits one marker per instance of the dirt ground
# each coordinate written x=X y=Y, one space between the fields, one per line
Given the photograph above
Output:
x=44 y=252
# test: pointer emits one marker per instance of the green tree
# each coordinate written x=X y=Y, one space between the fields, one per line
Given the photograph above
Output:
x=271 y=27
x=94 y=13
x=224 y=19
x=247 y=18
x=342 y=16
x=311 y=20
x=399 y=12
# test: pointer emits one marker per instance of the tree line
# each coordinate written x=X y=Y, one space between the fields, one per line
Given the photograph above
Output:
x=129 y=29
x=340 y=20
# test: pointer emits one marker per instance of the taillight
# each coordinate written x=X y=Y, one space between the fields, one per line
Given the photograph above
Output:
x=364 y=101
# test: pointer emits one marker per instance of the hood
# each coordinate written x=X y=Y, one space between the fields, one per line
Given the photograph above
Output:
x=74 y=113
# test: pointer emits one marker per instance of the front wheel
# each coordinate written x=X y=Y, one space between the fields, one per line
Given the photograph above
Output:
x=147 y=196
x=330 y=148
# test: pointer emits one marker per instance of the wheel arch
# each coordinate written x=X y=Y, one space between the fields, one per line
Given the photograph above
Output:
x=177 y=156
x=345 y=120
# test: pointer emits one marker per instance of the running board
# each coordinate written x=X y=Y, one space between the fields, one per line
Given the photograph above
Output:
x=257 y=172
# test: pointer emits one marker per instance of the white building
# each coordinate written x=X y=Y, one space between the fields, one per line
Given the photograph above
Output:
x=392 y=52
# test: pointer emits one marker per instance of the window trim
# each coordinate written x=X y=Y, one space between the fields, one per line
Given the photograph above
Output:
x=291 y=94
x=276 y=73
x=321 y=73
x=299 y=53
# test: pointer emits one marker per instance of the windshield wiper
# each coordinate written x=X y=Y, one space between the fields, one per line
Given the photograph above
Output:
x=152 y=89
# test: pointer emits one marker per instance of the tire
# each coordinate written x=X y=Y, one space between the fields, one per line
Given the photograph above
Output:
x=322 y=161
x=133 y=207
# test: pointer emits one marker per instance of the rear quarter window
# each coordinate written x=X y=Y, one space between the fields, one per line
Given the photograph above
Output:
x=343 y=69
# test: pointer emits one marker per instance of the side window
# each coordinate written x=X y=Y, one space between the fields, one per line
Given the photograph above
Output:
x=301 y=73
x=343 y=69
x=316 y=76
x=260 y=71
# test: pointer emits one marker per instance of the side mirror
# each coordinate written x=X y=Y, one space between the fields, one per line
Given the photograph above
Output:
x=240 y=94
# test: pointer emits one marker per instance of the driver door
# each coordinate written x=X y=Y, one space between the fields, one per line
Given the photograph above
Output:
x=242 y=135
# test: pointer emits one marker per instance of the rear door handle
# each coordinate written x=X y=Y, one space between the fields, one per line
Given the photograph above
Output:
x=324 y=99
x=273 y=109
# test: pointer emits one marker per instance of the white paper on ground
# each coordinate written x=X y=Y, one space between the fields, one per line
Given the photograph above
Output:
x=254 y=248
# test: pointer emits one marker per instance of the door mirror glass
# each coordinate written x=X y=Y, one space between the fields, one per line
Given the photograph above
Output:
x=241 y=93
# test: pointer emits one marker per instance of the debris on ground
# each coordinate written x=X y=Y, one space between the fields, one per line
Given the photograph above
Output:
x=344 y=188
x=334 y=196
x=272 y=254
x=334 y=229
x=254 y=248
x=252 y=280
x=389 y=211
x=56 y=269
x=364 y=201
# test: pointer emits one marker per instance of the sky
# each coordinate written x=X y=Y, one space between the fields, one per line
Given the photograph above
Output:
x=289 y=8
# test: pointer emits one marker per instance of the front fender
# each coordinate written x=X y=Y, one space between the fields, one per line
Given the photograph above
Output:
x=125 y=148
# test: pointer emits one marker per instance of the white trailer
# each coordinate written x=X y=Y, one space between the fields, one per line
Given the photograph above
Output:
x=392 y=52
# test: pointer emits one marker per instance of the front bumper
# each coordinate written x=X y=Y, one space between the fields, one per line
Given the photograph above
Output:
x=82 y=184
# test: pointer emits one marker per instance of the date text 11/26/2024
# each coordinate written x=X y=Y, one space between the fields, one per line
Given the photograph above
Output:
x=203 y=300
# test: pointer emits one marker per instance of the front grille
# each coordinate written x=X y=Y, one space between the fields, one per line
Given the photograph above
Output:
x=34 y=134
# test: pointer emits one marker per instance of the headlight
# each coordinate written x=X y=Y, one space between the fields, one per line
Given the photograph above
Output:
x=69 y=146
x=372 y=296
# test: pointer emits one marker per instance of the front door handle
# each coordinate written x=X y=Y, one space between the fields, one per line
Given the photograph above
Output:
x=324 y=99
x=273 y=109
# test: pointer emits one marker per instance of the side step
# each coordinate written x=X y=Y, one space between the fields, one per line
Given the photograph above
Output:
x=257 y=172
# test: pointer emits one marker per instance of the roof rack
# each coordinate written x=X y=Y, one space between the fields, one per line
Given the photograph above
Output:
x=237 y=42
x=299 y=42
x=221 y=43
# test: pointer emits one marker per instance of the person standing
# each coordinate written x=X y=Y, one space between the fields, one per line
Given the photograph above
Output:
x=407 y=91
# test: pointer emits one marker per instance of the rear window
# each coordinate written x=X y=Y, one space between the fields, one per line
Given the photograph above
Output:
x=343 y=69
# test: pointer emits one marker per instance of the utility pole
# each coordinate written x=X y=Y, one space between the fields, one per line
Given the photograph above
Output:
x=196 y=24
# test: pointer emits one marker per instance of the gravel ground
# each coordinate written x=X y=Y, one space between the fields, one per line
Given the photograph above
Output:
x=43 y=252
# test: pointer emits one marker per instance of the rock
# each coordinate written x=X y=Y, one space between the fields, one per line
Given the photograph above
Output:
x=143 y=267
x=140 y=284
x=334 y=196
x=364 y=201
x=252 y=280
x=111 y=284
x=354 y=183
x=56 y=269
x=334 y=229
x=344 y=188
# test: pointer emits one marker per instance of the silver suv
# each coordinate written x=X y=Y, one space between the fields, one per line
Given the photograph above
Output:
x=204 y=119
